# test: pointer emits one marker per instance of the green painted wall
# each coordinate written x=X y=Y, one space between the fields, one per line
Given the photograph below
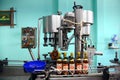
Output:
x=66 y=5
x=107 y=25
x=27 y=14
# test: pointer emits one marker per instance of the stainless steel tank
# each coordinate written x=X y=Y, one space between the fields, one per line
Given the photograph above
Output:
x=51 y=23
x=87 y=17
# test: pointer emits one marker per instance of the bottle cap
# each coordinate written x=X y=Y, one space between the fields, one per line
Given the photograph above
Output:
x=59 y=54
x=71 y=55
x=78 y=54
x=65 y=54
x=85 y=55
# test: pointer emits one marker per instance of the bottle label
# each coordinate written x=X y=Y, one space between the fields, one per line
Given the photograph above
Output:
x=85 y=66
x=59 y=66
x=79 y=66
x=72 y=66
x=65 y=66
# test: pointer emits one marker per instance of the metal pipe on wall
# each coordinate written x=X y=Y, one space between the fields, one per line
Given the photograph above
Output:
x=31 y=54
x=39 y=38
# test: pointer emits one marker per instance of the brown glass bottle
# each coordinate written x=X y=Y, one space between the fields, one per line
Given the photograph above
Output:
x=65 y=65
x=59 y=64
x=85 y=63
x=78 y=64
x=54 y=54
x=72 y=64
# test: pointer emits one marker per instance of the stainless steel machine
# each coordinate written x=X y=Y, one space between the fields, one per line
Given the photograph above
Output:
x=57 y=27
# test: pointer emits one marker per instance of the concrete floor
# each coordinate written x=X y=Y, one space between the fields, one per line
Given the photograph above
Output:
x=14 y=73
x=14 y=78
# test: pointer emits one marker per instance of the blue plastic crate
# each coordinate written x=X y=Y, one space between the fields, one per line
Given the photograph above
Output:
x=32 y=66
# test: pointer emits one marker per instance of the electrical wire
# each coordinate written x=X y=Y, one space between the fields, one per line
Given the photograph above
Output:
x=66 y=20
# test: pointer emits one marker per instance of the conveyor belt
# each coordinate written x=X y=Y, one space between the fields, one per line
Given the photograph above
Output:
x=92 y=76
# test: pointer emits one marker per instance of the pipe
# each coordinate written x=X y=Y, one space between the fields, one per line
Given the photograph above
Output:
x=30 y=51
x=39 y=37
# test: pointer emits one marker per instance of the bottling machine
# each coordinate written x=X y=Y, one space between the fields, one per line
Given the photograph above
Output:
x=56 y=29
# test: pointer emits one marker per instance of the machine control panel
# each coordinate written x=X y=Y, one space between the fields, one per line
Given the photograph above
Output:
x=29 y=37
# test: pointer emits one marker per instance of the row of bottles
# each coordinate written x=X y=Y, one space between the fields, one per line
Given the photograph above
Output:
x=72 y=66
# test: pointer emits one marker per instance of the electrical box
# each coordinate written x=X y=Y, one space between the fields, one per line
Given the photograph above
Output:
x=29 y=37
